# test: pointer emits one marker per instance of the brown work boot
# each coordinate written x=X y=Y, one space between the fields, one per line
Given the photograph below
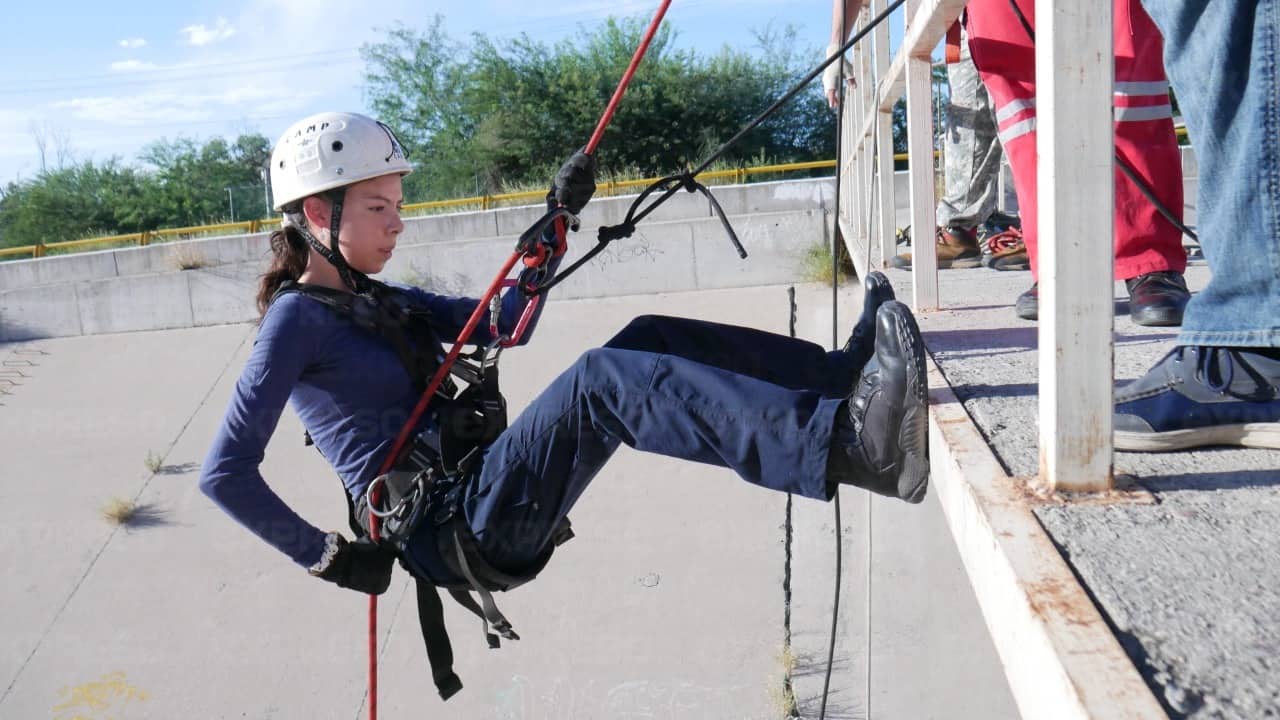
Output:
x=957 y=248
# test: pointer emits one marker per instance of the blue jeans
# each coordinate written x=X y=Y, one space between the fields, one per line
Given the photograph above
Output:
x=758 y=403
x=1221 y=58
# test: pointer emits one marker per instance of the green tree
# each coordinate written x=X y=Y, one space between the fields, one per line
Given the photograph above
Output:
x=68 y=203
x=485 y=116
x=182 y=183
x=190 y=181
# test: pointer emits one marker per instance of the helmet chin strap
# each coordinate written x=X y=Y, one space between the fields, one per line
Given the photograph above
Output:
x=355 y=281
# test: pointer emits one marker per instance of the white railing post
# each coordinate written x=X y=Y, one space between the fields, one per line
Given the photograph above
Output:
x=847 y=155
x=866 y=98
x=884 y=150
x=924 y=256
x=1075 y=177
x=853 y=98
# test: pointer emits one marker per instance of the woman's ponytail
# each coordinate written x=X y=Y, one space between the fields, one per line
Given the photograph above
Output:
x=289 y=251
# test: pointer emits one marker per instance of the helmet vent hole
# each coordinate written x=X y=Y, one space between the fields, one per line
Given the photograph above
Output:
x=337 y=146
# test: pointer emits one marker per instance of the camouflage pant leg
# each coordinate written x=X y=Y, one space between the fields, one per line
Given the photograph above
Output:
x=971 y=149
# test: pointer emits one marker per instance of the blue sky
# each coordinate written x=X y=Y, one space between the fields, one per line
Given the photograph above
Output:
x=103 y=79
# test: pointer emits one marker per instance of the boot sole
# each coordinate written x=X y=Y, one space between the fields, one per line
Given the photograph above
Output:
x=1011 y=266
x=1157 y=318
x=1255 y=435
x=957 y=264
x=913 y=436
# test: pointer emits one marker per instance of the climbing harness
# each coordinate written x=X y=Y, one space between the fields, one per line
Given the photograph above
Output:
x=536 y=259
x=426 y=485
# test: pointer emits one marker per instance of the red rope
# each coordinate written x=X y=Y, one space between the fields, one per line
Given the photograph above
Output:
x=626 y=78
x=442 y=372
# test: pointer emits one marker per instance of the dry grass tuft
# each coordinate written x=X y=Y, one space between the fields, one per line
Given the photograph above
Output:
x=130 y=514
x=188 y=257
x=153 y=462
x=118 y=511
x=782 y=698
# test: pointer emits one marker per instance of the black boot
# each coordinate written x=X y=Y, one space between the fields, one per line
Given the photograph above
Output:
x=1157 y=298
x=861 y=342
x=880 y=440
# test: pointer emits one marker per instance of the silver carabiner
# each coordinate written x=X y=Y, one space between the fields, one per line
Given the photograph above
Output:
x=400 y=506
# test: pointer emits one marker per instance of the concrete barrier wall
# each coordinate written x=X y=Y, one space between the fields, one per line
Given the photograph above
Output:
x=670 y=256
x=813 y=194
x=141 y=288
x=506 y=222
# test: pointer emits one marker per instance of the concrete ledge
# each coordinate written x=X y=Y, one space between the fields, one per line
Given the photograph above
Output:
x=776 y=196
x=661 y=257
x=1060 y=657
x=146 y=302
x=36 y=312
x=224 y=294
x=504 y=222
x=775 y=243
x=434 y=228
x=15 y=274
x=209 y=252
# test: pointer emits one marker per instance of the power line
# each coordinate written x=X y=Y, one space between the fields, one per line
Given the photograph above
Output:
x=289 y=58
x=273 y=69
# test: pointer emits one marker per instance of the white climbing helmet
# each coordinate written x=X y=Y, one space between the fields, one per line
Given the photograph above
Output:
x=329 y=150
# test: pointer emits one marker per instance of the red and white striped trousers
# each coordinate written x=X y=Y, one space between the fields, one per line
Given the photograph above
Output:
x=1005 y=56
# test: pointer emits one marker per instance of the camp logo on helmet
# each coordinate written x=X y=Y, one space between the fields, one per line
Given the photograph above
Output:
x=330 y=150
x=397 y=150
x=318 y=127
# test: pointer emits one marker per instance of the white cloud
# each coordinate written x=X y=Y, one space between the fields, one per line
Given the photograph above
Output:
x=175 y=107
x=133 y=43
x=131 y=66
x=199 y=35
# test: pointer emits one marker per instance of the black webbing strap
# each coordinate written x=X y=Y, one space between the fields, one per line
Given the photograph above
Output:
x=463 y=598
x=495 y=622
x=387 y=313
x=436 y=638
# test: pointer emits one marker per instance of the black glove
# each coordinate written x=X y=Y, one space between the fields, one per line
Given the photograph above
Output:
x=575 y=183
x=362 y=565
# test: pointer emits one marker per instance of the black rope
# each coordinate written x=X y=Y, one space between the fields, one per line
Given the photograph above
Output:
x=1124 y=166
x=607 y=234
x=800 y=85
x=672 y=184
x=835 y=341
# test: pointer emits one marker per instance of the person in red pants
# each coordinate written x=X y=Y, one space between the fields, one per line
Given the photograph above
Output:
x=1148 y=247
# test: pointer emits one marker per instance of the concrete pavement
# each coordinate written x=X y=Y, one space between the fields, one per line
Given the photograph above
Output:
x=1184 y=572
x=668 y=604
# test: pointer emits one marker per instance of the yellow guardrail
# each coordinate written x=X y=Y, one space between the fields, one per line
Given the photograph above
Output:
x=482 y=202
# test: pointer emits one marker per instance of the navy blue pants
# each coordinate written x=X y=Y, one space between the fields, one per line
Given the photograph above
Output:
x=758 y=403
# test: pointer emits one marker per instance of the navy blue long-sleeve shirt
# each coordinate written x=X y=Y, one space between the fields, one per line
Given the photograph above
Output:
x=347 y=386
